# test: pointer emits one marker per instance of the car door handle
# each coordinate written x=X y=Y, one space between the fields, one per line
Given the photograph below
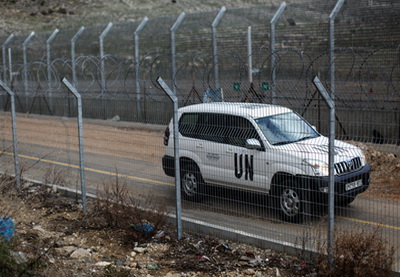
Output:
x=229 y=151
x=199 y=145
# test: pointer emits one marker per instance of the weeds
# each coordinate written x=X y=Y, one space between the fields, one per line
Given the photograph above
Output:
x=54 y=175
x=358 y=253
x=112 y=203
x=113 y=271
x=7 y=184
x=8 y=191
x=140 y=216
x=8 y=265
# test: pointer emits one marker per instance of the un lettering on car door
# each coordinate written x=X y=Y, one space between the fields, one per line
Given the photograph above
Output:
x=249 y=170
x=248 y=166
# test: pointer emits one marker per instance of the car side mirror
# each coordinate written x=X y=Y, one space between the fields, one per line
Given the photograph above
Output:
x=253 y=144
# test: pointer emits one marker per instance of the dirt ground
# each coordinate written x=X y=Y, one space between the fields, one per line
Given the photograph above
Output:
x=56 y=238
x=385 y=171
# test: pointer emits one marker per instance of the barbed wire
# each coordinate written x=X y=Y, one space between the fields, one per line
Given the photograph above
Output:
x=294 y=71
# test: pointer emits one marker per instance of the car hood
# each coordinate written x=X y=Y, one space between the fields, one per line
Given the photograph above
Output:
x=318 y=149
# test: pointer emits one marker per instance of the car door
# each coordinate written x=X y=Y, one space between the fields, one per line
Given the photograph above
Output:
x=241 y=167
x=212 y=138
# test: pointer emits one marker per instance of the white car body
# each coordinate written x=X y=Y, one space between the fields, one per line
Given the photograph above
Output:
x=260 y=163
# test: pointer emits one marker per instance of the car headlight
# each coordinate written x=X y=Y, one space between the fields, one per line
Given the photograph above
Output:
x=319 y=168
x=363 y=159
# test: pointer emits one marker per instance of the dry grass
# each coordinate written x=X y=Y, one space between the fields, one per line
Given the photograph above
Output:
x=117 y=208
x=55 y=175
x=9 y=194
x=358 y=253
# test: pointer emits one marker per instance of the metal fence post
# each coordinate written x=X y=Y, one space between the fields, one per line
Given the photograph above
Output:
x=174 y=99
x=102 y=66
x=80 y=135
x=24 y=45
x=331 y=190
x=14 y=134
x=3 y=49
x=73 y=40
x=249 y=54
x=10 y=65
x=331 y=249
x=332 y=17
x=173 y=50
x=214 y=44
x=273 y=22
x=48 y=52
x=137 y=65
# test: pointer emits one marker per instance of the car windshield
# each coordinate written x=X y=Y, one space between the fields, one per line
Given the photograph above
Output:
x=285 y=128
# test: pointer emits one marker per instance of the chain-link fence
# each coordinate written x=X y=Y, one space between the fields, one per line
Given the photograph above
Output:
x=126 y=111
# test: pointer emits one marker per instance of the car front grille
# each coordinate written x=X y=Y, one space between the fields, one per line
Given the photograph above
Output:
x=348 y=166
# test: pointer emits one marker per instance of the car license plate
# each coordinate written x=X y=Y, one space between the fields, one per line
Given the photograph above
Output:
x=353 y=185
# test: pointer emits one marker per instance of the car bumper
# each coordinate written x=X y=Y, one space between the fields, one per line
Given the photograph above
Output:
x=317 y=187
x=168 y=164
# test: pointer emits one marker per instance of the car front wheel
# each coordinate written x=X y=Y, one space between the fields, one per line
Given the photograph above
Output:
x=291 y=202
x=191 y=183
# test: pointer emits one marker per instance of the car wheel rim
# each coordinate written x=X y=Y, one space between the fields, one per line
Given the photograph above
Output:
x=189 y=184
x=290 y=202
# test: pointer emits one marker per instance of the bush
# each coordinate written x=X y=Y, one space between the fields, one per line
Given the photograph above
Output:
x=359 y=253
x=8 y=265
x=116 y=207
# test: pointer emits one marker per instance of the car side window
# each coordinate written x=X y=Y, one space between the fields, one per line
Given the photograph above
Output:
x=241 y=129
x=188 y=124
x=213 y=127
x=206 y=126
x=221 y=128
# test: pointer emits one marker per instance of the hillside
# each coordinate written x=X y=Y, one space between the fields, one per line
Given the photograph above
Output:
x=23 y=16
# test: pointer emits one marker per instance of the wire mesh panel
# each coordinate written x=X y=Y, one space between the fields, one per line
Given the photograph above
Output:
x=257 y=170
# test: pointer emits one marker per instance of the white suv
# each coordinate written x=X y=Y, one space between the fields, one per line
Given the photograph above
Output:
x=262 y=148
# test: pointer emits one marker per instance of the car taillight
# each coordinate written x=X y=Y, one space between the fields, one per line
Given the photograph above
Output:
x=166 y=136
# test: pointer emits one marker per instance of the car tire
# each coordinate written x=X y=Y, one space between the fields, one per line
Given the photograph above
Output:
x=291 y=202
x=192 y=183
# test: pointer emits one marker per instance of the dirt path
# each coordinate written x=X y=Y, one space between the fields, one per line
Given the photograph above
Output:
x=125 y=140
